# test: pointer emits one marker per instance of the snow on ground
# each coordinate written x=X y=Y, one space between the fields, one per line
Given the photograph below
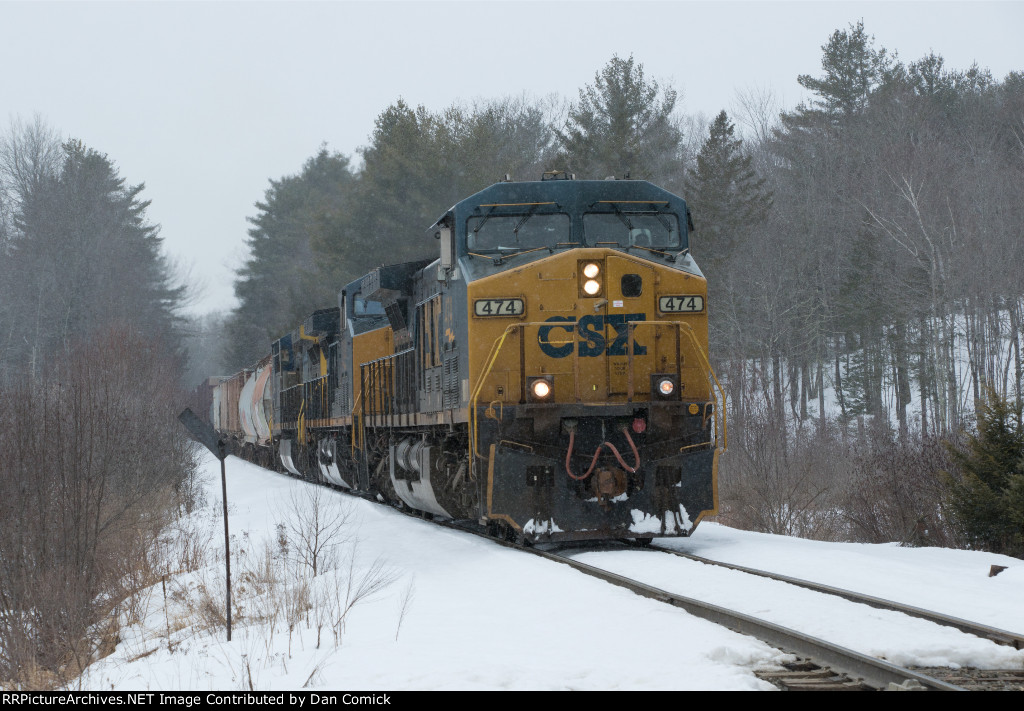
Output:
x=479 y=616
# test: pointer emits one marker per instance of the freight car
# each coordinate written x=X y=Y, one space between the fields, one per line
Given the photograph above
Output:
x=546 y=376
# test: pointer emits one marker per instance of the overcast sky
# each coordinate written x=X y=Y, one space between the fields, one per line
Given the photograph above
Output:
x=205 y=102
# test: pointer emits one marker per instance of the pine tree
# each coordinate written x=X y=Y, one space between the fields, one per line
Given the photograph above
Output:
x=622 y=124
x=492 y=138
x=987 y=496
x=727 y=197
x=404 y=169
x=853 y=70
x=420 y=162
x=83 y=258
x=280 y=283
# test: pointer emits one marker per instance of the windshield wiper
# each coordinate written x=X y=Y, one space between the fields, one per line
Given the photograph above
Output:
x=476 y=230
x=515 y=231
x=664 y=222
x=625 y=220
x=502 y=257
x=527 y=216
x=673 y=257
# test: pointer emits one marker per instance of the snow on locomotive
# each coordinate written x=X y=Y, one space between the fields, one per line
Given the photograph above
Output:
x=547 y=376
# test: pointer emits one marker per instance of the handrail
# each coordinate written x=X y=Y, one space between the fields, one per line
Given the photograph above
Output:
x=492 y=356
x=357 y=404
x=387 y=376
x=711 y=372
x=374 y=373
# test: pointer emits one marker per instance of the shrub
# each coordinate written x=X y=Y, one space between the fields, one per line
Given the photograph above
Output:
x=985 y=491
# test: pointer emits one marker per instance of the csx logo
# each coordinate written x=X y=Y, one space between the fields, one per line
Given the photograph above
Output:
x=591 y=330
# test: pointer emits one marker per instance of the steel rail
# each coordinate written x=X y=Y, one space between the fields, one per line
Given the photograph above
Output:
x=994 y=634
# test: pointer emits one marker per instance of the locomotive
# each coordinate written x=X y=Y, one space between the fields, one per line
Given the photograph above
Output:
x=546 y=376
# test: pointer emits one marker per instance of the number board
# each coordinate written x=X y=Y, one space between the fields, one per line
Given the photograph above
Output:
x=677 y=304
x=498 y=307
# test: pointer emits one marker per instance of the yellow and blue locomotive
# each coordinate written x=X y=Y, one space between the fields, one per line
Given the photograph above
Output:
x=546 y=376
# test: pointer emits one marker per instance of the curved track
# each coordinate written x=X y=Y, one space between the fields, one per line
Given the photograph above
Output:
x=999 y=636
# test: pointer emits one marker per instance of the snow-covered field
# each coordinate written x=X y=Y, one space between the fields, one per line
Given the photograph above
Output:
x=457 y=612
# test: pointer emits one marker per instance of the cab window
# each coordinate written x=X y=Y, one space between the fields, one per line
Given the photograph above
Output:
x=654 y=230
x=516 y=232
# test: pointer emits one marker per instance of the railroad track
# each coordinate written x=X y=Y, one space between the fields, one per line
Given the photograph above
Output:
x=999 y=636
x=847 y=668
x=821 y=665
x=804 y=676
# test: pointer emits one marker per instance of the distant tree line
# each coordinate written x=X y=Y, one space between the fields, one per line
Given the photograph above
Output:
x=863 y=252
x=94 y=465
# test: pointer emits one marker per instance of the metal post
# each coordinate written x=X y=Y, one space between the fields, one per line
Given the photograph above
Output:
x=227 y=538
x=203 y=433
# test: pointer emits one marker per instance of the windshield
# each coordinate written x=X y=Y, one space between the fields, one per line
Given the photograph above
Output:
x=516 y=232
x=653 y=230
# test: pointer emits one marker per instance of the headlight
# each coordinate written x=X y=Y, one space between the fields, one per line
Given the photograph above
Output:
x=665 y=386
x=591 y=279
x=541 y=388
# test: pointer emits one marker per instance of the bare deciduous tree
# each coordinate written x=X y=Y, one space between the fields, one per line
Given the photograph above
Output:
x=315 y=526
